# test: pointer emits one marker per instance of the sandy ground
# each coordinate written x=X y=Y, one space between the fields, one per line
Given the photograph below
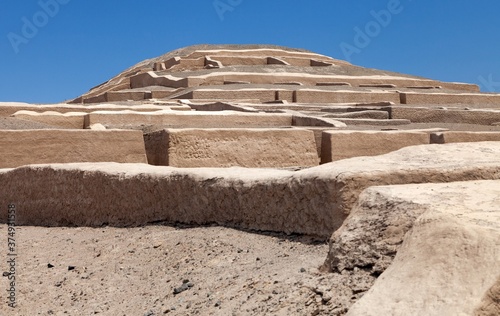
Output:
x=137 y=271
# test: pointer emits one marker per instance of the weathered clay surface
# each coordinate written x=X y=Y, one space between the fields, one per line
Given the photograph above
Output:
x=318 y=96
x=12 y=123
x=374 y=122
x=337 y=145
x=310 y=121
x=182 y=119
x=314 y=201
x=74 y=120
x=436 y=245
x=251 y=148
x=23 y=147
x=427 y=115
x=368 y=114
x=444 y=98
x=221 y=106
x=263 y=95
x=9 y=108
x=464 y=137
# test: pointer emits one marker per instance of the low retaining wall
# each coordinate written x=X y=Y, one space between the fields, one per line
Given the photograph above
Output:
x=8 y=109
x=337 y=145
x=187 y=119
x=263 y=95
x=373 y=122
x=314 y=201
x=449 y=98
x=464 y=137
x=252 y=148
x=114 y=96
x=71 y=120
x=23 y=147
x=318 y=96
x=429 y=115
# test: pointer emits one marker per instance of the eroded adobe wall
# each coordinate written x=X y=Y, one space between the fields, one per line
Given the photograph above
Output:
x=464 y=137
x=317 y=96
x=23 y=147
x=187 y=119
x=433 y=115
x=314 y=201
x=70 y=120
x=337 y=145
x=449 y=98
x=251 y=148
x=9 y=108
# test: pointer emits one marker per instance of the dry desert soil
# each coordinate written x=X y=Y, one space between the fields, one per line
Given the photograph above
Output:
x=175 y=270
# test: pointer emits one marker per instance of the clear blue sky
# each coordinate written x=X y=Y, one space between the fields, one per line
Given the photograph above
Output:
x=50 y=53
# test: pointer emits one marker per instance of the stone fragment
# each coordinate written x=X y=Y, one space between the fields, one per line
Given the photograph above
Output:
x=425 y=239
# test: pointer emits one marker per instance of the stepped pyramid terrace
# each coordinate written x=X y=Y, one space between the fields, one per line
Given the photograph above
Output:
x=257 y=179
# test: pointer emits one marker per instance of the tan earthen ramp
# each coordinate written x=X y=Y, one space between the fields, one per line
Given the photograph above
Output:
x=447 y=240
x=313 y=201
x=23 y=147
x=318 y=96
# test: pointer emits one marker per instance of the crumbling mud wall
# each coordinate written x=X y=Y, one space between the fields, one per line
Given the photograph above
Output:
x=314 y=201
